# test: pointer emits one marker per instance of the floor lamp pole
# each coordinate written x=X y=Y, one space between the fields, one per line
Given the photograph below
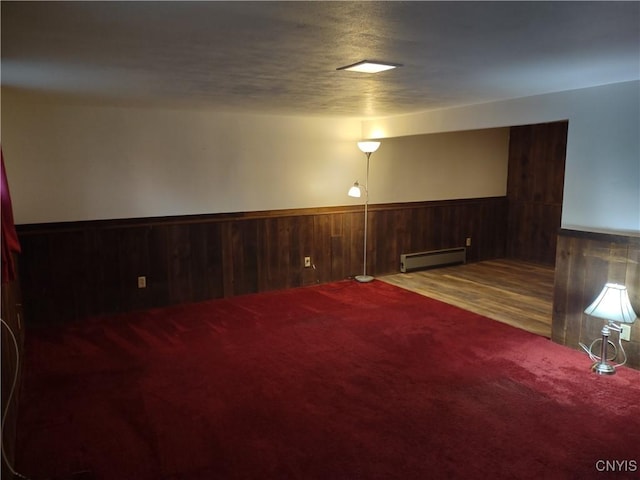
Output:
x=364 y=277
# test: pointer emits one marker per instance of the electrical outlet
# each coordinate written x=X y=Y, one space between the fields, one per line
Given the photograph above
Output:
x=468 y=242
x=307 y=262
x=142 y=282
x=625 y=333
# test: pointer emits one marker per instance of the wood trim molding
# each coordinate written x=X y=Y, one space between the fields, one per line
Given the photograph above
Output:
x=31 y=228
x=614 y=236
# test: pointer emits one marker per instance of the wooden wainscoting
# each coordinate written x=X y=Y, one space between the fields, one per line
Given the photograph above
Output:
x=11 y=369
x=535 y=189
x=585 y=262
x=74 y=270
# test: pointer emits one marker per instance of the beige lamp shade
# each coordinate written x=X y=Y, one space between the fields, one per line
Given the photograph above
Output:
x=612 y=304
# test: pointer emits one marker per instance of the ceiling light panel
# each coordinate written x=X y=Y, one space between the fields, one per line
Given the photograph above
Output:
x=368 y=66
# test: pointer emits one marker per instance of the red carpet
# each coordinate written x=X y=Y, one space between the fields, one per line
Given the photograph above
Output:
x=339 y=381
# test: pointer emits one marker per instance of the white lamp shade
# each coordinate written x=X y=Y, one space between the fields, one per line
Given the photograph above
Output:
x=612 y=304
x=368 y=146
x=354 y=191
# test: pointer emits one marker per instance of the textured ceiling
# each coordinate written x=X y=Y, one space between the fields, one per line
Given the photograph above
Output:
x=281 y=57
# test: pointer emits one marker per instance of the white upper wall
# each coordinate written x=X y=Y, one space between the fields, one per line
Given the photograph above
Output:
x=602 y=173
x=70 y=162
x=440 y=166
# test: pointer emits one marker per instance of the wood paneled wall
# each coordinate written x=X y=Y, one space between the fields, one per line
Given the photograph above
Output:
x=535 y=190
x=585 y=262
x=75 y=270
x=11 y=360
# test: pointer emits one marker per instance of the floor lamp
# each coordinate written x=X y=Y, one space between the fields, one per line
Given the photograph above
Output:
x=368 y=148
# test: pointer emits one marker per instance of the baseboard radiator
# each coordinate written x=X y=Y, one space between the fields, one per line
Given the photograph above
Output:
x=410 y=262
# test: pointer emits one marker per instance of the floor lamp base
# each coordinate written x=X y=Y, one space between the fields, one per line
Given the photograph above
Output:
x=364 y=278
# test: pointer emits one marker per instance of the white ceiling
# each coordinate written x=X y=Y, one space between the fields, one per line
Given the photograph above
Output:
x=281 y=57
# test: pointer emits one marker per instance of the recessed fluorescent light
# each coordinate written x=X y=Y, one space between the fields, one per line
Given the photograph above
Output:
x=368 y=66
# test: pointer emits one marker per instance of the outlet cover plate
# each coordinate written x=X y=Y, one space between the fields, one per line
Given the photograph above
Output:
x=625 y=334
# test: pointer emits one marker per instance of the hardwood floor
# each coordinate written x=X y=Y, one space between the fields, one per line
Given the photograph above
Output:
x=510 y=291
